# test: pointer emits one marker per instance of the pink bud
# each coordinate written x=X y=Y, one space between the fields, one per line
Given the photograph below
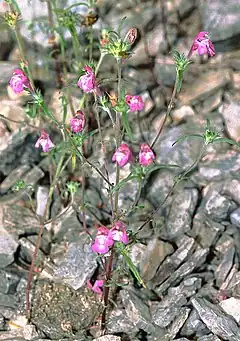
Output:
x=45 y=142
x=103 y=241
x=131 y=36
x=88 y=82
x=119 y=233
x=96 y=287
x=122 y=155
x=202 y=44
x=19 y=81
x=135 y=103
x=146 y=155
x=77 y=123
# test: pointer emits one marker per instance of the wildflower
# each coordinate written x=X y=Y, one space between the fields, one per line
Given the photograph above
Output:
x=19 y=81
x=96 y=287
x=202 y=44
x=122 y=155
x=77 y=123
x=45 y=142
x=88 y=82
x=131 y=35
x=103 y=241
x=119 y=233
x=146 y=155
x=135 y=103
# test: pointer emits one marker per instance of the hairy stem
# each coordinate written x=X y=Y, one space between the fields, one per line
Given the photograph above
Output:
x=169 y=109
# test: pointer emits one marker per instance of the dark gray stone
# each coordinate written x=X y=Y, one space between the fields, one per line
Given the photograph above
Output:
x=217 y=321
x=235 y=217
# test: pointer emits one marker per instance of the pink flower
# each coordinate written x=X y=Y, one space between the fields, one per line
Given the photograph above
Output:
x=96 y=287
x=88 y=81
x=119 y=233
x=135 y=103
x=146 y=155
x=19 y=81
x=77 y=123
x=45 y=142
x=103 y=241
x=122 y=155
x=202 y=44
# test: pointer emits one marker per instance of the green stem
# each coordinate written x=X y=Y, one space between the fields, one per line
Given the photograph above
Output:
x=182 y=177
x=118 y=134
x=76 y=45
x=169 y=109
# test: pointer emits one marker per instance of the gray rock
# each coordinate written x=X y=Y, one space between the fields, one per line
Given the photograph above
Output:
x=188 y=287
x=209 y=337
x=6 y=70
x=232 y=307
x=118 y=322
x=164 y=312
x=229 y=112
x=221 y=167
x=205 y=230
x=138 y=312
x=8 y=246
x=78 y=265
x=235 y=217
x=193 y=325
x=195 y=261
x=172 y=262
x=8 y=282
x=58 y=310
x=220 y=19
x=181 y=211
x=177 y=324
x=165 y=71
x=155 y=253
x=217 y=206
x=217 y=321
x=225 y=266
x=108 y=338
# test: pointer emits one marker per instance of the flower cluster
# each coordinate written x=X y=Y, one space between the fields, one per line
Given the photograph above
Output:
x=105 y=238
x=77 y=123
x=96 y=287
x=123 y=155
x=45 y=142
x=19 y=81
x=135 y=103
x=202 y=44
x=88 y=82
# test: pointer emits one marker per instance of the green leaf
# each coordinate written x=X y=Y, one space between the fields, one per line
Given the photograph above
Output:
x=132 y=268
x=185 y=136
x=127 y=126
x=160 y=166
x=123 y=182
x=226 y=140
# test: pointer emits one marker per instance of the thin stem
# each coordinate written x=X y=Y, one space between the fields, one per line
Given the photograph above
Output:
x=182 y=177
x=76 y=45
x=118 y=134
x=18 y=122
x=169 y=109
x=52 y=41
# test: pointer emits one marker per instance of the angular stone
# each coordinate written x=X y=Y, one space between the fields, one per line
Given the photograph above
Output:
x=230 y=115
x=180 y=216
x=235 y=217
x=8 y=282
x=177 y=324
x=216 y=319
x=188 y=287
x=209 y=337
x=138 y=312
x=8 y=246
x=204 y=86
x=108 y=338
x=118 y=322
x=180 y=114
x=225 y=266
x=155 y=253
x=232 y=307
x=196 y=260
x=193 y=325
x=221 y=19
x=164 y=312
x=77 y=265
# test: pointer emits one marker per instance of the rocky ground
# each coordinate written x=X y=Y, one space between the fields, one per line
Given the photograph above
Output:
x=189 y=255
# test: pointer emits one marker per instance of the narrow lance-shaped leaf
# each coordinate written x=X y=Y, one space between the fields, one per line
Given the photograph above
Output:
x=127 y=126
x=123 y=182
x=185 y=136
x=226 y=140
x=133 y=268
